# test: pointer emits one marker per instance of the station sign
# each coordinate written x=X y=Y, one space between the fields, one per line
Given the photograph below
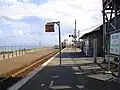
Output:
x=49 y=27
x=115 y=43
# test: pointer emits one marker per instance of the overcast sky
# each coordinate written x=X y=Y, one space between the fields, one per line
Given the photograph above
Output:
x=22 y=21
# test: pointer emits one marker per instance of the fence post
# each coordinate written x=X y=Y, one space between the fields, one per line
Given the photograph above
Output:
x=8 y=54
x=24 y=51
x=16 y=52
x=19 y=52
x=12 y=53
x=3 y=54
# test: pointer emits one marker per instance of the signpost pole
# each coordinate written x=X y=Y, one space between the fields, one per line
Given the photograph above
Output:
x=59 y=41
x=50 y=28
x=119 y=67
x=109 y=61
x=119 y=60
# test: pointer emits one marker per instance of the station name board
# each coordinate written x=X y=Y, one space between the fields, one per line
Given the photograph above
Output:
x=115 y=43
x=49 y=28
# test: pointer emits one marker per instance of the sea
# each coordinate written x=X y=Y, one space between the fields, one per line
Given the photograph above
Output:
x=10 y=48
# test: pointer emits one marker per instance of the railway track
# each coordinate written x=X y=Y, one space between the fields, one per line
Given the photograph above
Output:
x=8 y=81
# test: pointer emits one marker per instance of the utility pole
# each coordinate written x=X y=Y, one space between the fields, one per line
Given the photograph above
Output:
x=39 y=45
x=75 y=35
x=78 y=34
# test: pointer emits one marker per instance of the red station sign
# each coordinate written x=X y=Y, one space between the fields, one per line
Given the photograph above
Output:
x=49 y=28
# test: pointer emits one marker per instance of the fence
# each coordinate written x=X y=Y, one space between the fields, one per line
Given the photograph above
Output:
x=10 y=54
x=13 y=51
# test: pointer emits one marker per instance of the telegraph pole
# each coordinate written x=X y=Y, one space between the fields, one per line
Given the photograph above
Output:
x=39 y=45
x=75 y=35
x=78 y=34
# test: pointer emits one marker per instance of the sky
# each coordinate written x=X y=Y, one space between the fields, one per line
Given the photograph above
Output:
x=23 y=21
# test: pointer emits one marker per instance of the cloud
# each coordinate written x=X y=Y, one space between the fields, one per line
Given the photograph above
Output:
x=54 y=10
x=17 y=32
x=86 y=12
x=1 y=31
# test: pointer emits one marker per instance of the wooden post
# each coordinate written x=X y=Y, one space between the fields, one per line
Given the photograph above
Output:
x=19 y=51
x=24 y=51
x=12 y=53
x=3 y=54
x=8 y=54
x=16 y=52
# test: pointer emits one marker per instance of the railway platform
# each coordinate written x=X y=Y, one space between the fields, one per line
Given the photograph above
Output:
x=77 y=72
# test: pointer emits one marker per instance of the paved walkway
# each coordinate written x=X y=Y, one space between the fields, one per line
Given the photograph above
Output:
x=76 y=73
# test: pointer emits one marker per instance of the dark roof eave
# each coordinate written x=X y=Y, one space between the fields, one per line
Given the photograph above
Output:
x=90 y=33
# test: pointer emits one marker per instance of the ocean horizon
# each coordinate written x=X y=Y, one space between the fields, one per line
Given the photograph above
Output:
x=17 y=47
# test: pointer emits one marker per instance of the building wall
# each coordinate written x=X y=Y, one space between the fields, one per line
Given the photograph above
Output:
x=89 y=48
x=85 y=45
x=99 y=44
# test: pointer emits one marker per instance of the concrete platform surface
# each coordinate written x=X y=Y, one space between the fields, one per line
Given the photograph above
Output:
x=76 y=73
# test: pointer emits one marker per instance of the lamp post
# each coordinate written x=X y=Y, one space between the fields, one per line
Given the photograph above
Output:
x=50 y=28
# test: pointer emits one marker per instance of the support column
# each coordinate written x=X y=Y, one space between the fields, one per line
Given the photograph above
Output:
x=95 y=50
x=104 y=35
